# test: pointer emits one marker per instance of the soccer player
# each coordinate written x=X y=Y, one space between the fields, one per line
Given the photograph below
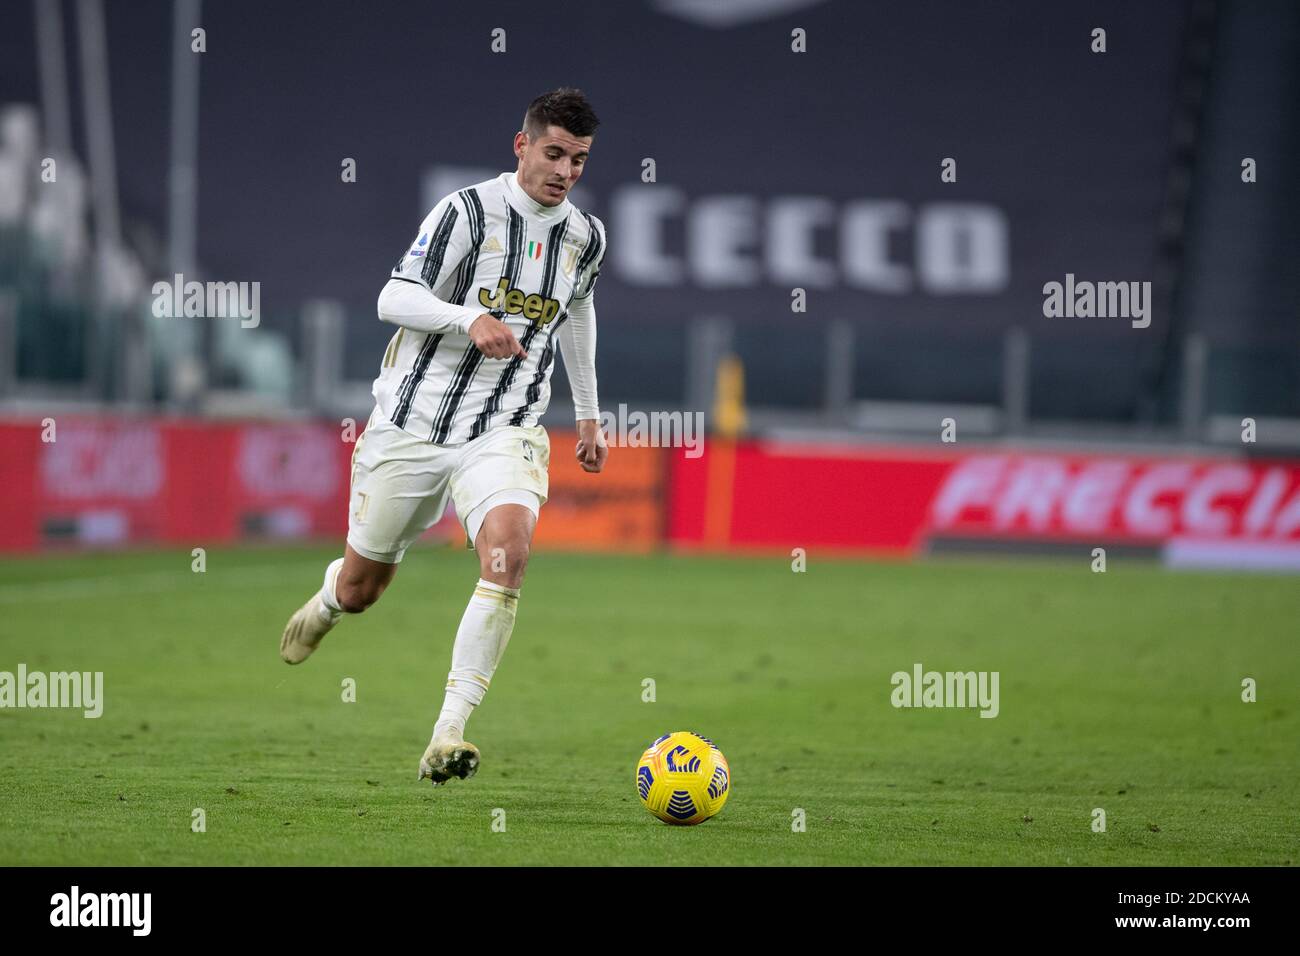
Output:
x=498 y=275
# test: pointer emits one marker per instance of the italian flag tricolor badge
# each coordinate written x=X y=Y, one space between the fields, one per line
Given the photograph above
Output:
x=534 y=250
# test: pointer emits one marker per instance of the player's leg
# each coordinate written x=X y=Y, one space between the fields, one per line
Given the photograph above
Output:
x=501 y=526
x=360 y=581
x=352 y=583
x=398 y=492
x=503 y=529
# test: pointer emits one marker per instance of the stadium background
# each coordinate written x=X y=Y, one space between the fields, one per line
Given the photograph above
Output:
x=923 y=297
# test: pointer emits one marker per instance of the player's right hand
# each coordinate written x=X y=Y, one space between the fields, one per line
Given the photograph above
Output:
x=494 y=339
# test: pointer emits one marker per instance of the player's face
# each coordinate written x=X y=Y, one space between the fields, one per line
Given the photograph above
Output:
x=551 y=164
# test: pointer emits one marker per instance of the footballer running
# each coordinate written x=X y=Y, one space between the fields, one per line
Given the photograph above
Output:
x=500 y=274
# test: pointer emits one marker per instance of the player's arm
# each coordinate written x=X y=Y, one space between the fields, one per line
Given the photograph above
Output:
x=578 y=346
x=408 y=298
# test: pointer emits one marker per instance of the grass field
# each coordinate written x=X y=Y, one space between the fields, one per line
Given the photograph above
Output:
x=1119 y=690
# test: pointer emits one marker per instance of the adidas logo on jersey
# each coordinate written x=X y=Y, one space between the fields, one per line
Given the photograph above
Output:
x=514 y=302
x=492 y=245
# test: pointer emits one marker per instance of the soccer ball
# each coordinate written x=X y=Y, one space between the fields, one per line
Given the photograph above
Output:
x=683 y=778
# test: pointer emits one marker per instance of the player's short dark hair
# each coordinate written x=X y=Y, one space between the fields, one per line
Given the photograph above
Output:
x=566 y=107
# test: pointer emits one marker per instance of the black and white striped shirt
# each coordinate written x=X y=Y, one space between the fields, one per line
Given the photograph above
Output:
x=489 y=248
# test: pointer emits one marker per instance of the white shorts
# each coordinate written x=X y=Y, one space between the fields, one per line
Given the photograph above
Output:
x=401 y=483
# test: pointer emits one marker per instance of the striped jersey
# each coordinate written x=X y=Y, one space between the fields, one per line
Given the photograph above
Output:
x=491 y=248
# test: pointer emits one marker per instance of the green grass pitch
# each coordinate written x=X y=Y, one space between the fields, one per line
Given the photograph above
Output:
x=1119 y=691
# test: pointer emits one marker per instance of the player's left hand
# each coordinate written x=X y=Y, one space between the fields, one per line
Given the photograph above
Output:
x=592 y=450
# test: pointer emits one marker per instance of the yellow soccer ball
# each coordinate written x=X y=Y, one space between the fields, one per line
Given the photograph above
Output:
x=683 y=778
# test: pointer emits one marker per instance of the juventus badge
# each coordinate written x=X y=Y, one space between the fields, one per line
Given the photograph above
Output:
x=570 y=260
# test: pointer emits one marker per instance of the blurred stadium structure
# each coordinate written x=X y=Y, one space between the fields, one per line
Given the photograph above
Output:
x=775 y=171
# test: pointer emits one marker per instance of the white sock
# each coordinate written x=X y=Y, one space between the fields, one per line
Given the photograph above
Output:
x=480 y=643
x=327 y=595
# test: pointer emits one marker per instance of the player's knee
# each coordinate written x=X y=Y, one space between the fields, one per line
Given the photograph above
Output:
x=504 y=561
x=355 y=596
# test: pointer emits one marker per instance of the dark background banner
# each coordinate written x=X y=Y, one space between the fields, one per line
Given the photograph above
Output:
x=1059 y=150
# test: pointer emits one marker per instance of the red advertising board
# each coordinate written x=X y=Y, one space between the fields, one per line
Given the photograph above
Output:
x=900 y=501
x=98 y=482
x=102 y=482
x=107 y=482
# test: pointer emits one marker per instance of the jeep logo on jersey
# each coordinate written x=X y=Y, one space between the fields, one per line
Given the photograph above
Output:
x=514 y=302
